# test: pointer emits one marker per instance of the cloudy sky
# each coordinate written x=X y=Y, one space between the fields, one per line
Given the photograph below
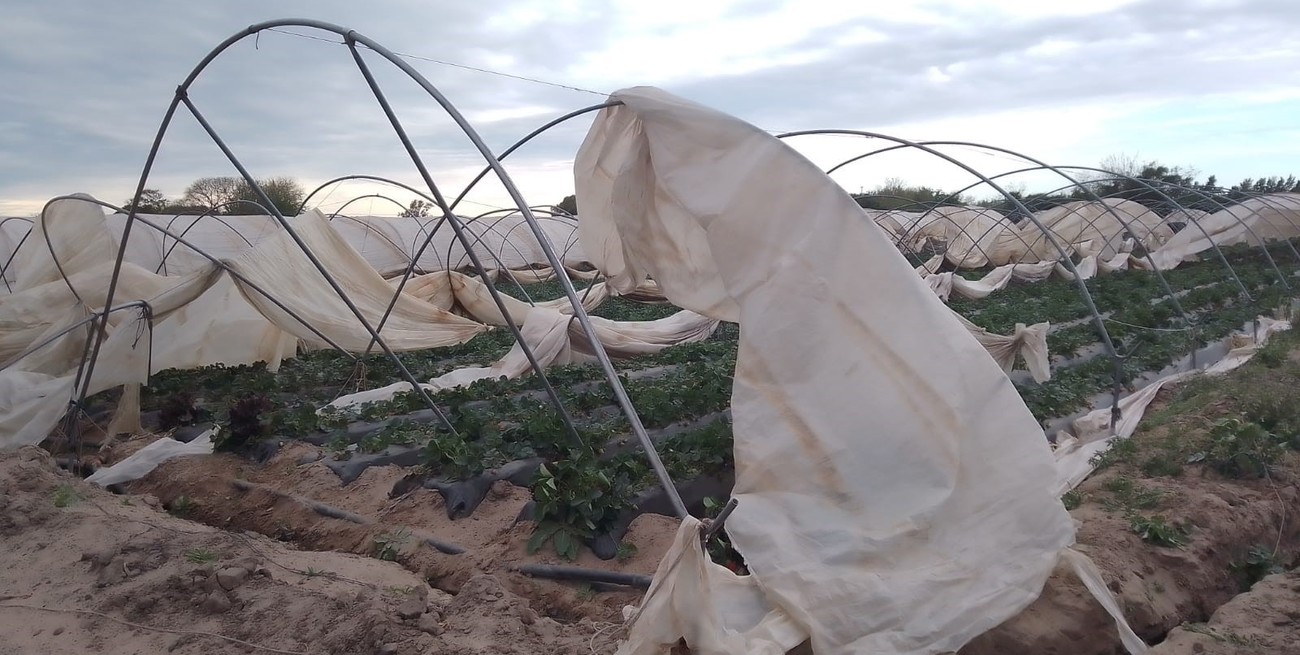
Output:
x=1209 y=84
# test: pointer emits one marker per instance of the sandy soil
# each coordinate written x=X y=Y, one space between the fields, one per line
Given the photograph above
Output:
x=482 y=604
x=93 y=572
x=1158 y=588
x=492 y=537
x=1263 y=621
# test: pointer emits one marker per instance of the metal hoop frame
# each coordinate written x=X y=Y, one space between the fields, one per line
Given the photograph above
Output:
x=352 y=40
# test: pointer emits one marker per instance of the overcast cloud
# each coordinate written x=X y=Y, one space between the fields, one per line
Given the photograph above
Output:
x=1212 y=84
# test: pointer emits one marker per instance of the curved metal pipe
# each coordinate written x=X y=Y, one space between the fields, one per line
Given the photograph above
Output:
x=208 y=213
x=529 y=137
x=417 y=247
x=315 y=261
x=917 y=223
x=1164 y=284
x=1083 y=287
x=580 y=312
x=375 y=178
x=540 y=212
x=9 y=260
x=478 y=238
x=223 y=266
x=94 y=315
x=351 y=38
x=381 y=196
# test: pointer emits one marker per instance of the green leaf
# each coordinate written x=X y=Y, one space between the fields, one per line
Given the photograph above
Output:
x=536 y=542
x=566 y=545
x=540 y=535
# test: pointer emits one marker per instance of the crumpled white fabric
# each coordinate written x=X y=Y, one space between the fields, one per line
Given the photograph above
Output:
x=196 y=318
x=1092 y=433
x=387 y=243
x=556 y=339
x=715 y=610
x=545 y=332
x=145 y=460
x=895 y=494
x=1262 y=218
x=36 y=387
x=631 y=338
x=1086 y=267
x=280 y=267
x=473 y=295
x=1028 y=343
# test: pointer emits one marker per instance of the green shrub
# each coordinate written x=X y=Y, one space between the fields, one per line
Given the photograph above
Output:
x=1156 y=530
x=1240 y=449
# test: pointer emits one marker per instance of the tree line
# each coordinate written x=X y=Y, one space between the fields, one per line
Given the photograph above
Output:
x=1160 y=187
x=1149 y=183
x=224 y=195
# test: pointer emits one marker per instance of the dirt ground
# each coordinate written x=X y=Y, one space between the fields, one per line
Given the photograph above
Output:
x=1264 y=620
x=1229 y=524
x=493 y=537
x=93 y=572
x=219 y=554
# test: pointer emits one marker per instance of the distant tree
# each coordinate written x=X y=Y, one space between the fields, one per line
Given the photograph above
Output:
x=212 y=193
x=231 y=195
x=896 y=194
x=1274 y=184
x=1122 y=164
x=284 y=193
x=152 y=201
x=418 y=209
x=569 y=204
x=1149 y=183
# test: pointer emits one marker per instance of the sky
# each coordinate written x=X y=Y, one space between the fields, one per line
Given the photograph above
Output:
x=1211 y=85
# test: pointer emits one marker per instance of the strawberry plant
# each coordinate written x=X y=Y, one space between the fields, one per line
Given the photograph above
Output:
x=719 y=548
x=180 y=409
x=247 y=423
x=575 y=499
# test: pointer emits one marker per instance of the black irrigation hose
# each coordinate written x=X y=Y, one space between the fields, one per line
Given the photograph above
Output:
x=579 y=574
x=336 y=513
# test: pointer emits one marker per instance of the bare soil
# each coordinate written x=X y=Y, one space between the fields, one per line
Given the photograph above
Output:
x=1229 y=520
x=494 y=539
x=93 y=572
x=1264 y=620
x=91 y=560
x=1158 y=587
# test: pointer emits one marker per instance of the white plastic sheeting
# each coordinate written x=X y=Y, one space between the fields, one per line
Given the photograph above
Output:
x=242 y=310
x=1092 y=433
x=1028 y=343
x=544 y=330
x=141 y=462
x=202 y=317
x=387 y=243
x=1254 y=221
x=556 y=339
x=473 y=295
x=895 y=494
x=974 y=237
x=280 y=267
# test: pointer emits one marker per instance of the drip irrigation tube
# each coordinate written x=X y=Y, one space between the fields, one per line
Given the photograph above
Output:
x=336 y=513
x=579 y=574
